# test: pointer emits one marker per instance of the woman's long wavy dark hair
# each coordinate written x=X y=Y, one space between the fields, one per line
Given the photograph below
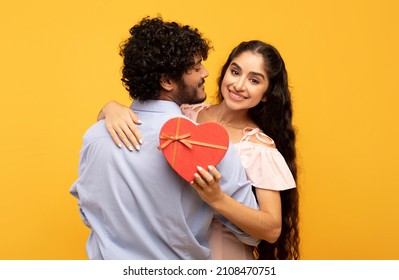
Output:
x=274 y=117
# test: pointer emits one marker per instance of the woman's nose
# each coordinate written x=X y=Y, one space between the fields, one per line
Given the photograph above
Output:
x=240 y=84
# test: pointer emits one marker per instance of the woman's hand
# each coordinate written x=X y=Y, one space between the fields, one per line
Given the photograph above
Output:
x=121 y=123
x=207 y=185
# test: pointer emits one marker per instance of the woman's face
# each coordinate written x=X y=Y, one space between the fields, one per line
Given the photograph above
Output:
x=245 y=81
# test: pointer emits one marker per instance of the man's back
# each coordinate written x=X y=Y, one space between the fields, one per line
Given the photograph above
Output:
x=138 y=207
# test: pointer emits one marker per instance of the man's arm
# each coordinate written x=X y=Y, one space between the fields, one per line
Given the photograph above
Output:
x=91 y=175
x=78 y=184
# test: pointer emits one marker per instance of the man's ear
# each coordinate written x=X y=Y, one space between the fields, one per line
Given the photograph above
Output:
x=166 y=83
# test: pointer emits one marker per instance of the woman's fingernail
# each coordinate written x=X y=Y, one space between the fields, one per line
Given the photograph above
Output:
x=119 y=145
x=210 y=167
x=130 y=148
x=141 y=141
x=199 y=168
x=139 y=121
x=138 y=148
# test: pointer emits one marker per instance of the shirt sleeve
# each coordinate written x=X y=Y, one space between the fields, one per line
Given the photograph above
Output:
x=74 y=190
x=91 y=174
x=235 y=184
x=266 y=167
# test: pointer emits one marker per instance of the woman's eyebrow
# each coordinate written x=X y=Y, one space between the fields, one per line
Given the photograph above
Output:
x=252 y=72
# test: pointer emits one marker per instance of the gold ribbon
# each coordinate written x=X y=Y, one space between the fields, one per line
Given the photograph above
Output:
x=171 y=139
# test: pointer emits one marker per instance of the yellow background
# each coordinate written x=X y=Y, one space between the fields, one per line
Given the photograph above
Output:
x=59 y=64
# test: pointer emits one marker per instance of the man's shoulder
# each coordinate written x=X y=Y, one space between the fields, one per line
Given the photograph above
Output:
x=96 y=131
x=232 y=153
x=231 y=161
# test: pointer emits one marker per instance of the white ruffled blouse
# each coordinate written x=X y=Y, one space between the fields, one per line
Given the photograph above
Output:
x=264 y=166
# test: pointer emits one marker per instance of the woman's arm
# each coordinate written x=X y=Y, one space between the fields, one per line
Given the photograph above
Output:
x=264 y=223
x=121 y=123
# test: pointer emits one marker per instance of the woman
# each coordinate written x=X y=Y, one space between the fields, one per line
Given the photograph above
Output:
x=256 y=110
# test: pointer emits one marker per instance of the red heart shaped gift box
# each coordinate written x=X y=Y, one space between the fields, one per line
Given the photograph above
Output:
x=187 y=145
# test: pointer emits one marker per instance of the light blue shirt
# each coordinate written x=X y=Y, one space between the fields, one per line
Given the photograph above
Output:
x=137 y=206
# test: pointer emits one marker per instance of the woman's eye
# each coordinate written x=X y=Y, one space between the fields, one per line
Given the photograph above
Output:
x=234 y=72
x=254 y=81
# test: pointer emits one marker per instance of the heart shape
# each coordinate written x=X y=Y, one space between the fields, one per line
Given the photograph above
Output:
x=187 y=145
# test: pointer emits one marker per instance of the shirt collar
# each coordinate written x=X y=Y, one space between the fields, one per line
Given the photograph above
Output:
x=159 y=106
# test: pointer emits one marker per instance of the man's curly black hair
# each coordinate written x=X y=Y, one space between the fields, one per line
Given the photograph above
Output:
x=157 y=48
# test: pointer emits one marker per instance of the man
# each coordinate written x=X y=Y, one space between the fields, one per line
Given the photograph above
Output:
x=135 y=204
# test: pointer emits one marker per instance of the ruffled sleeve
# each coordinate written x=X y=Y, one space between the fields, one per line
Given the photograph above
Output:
x=191 y=111
x=265 y=167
